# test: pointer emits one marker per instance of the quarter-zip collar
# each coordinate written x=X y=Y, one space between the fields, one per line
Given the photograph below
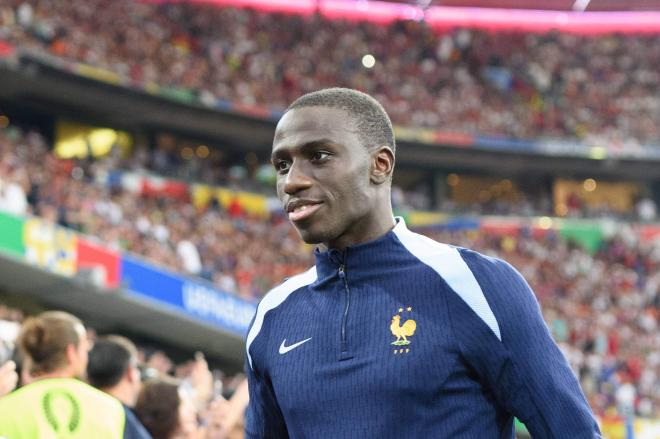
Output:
x=357 y=258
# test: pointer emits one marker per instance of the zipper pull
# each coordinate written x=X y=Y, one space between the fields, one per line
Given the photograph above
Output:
x=341 y=272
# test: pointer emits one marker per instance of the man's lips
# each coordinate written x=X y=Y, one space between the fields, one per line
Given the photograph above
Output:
x=303 y=211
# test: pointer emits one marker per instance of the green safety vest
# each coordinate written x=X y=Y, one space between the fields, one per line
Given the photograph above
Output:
x=60 y=408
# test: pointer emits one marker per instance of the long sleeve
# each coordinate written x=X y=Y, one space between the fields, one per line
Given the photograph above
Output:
x=525 y=370
x=264 y=418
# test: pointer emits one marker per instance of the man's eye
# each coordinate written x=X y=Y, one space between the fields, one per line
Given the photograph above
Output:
x=282 y=166
x=320 y=155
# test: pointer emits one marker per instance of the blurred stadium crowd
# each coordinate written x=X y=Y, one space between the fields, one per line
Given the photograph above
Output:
x=602 y=307
x=238 y=253
x=187 y=400
x=494 y=84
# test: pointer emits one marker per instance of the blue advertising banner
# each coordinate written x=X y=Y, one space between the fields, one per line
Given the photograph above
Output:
x=191 y=297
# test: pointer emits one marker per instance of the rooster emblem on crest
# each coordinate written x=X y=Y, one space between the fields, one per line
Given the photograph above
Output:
x=402 y=331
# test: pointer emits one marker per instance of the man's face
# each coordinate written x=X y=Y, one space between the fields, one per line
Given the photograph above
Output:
x=82 y=352
x=134 y=380
x=323 y=176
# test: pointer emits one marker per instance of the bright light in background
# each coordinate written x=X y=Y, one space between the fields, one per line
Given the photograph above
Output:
x=78 y=140
x=589 y=185
x=597 y=153
x=581 y=5
x=368 y=61
x=187 y=153
x=545 y=222
x=202 y=151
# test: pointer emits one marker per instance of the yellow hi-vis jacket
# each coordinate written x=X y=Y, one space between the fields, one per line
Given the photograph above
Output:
x=60 y=408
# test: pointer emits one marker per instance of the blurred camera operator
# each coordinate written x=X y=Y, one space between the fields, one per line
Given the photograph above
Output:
x=56 y=403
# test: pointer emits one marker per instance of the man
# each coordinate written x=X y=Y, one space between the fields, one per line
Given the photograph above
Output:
x=56 y=403
x=391 y=334
x=113 y=368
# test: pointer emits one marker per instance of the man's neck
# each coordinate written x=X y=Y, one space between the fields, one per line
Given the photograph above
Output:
x=122 y=392
x=55 y=374
x=379 y=224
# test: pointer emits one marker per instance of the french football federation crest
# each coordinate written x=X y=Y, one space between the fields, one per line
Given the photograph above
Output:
x=402 y=331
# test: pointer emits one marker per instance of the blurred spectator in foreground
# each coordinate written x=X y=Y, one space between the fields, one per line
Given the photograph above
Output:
x=56 y=403
x=113 y=368
x=166 y=411
x=221 y=418
x=8 y=377
x=191 y=407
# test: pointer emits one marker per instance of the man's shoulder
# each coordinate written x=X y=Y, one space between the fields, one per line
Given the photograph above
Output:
x=507 y=292
x=477 y=260
x=274 y=299
x=489 y=267
x=419 y=244
x=447 y=259
x=275 y=296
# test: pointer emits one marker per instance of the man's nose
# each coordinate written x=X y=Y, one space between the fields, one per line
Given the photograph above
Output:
x=296 y=180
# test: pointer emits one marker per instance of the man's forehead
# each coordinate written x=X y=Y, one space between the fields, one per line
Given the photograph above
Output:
x=313 y=122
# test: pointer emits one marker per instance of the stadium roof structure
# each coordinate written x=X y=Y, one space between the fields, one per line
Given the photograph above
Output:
x=570 y=16
x=547 y=5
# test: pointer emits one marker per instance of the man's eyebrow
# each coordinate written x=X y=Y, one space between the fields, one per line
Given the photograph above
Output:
x=312 y=144
x=316 y=144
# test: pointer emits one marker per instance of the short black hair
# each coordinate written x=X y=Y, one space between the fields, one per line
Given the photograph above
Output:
x=108 y=361
x=373 y=124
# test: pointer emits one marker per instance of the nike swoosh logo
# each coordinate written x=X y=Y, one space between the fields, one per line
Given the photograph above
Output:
x=285 y=349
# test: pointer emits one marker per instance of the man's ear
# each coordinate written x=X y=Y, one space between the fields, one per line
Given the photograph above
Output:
x=382 y=164
x=132 y=374
x=71 y=353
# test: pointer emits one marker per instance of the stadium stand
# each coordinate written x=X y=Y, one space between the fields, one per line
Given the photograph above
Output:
x=213 y=396
x=602 y=307
x=239 y=253
x=503 y=84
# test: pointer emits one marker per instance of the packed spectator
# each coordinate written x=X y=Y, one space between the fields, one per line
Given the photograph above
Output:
x=208 y=403
x=602 y=308
x=54 y=346
x=239 y=254
x=498 y=84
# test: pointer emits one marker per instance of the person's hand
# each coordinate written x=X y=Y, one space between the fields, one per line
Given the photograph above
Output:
x=201 y=380
x=8 y=378
x=223 y=417
x=217 y=422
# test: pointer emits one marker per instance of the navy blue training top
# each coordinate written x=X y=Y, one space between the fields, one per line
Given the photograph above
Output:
x=406 y=337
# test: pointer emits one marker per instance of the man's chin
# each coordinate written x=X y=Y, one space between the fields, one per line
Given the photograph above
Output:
x=311 y=237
